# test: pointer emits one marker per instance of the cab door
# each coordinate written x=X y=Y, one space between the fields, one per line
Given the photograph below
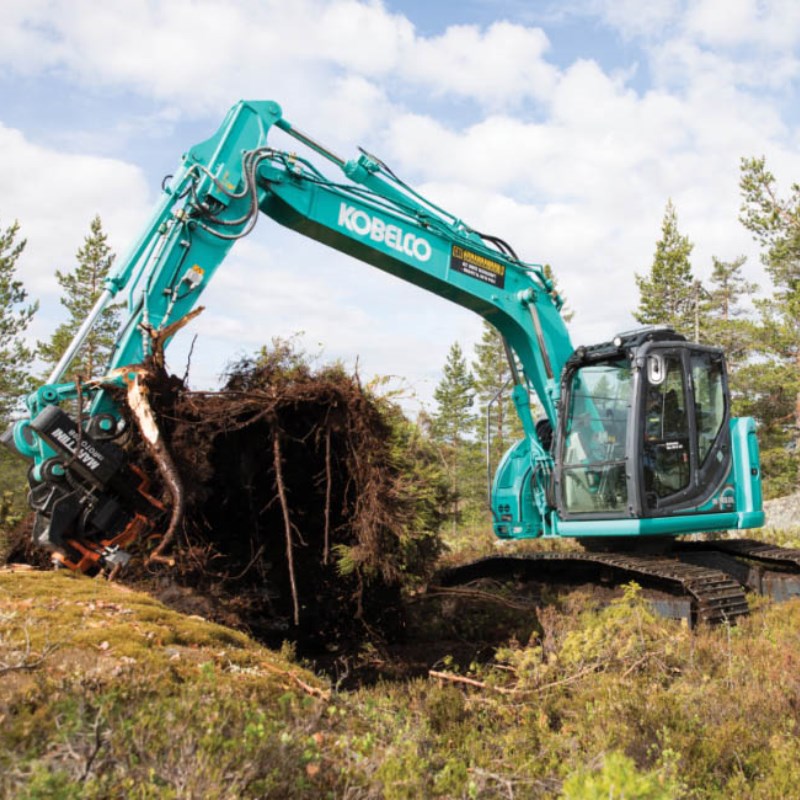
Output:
x=684 y=431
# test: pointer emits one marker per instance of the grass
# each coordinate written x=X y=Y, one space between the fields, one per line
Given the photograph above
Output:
x=104 y=692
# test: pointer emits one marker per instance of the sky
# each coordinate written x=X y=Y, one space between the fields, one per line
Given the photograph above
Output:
x=563 y=127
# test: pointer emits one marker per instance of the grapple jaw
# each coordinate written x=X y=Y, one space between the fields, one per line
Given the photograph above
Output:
x=90 y=503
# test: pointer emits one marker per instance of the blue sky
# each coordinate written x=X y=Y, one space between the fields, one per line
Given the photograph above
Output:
x=562 y=126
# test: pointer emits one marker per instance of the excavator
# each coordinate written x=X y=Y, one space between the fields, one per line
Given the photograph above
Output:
x=636 y=445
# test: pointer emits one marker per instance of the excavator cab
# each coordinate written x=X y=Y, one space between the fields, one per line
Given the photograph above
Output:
x=645 y=436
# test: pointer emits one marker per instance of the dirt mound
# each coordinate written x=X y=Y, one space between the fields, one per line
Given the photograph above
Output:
x=298 y=523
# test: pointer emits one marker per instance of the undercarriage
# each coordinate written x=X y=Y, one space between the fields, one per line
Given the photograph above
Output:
x=696 y=581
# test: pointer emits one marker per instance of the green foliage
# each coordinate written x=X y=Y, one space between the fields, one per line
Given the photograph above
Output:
x=455 y=397
x=774 y=222
x=493 y=382
x=619 y=778
x=606 y=636
x=724 y=322
x=13 y=485
x=669 y=294
x=81 y=288
x=285 y=357
x=423 y=481
x=10 y=516
x=15 y=317
x=452 y=425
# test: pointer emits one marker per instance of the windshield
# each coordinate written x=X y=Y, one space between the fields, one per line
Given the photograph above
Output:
x=593 y=455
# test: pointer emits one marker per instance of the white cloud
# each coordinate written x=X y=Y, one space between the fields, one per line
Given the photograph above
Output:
x=203 y=55
x=747 y=43
x=28 y=42
x=363 y=37
x=683 y=62
x=772 y=24
x=55 y=195
x=634 y=18
x=502 y=65
x=763 y=24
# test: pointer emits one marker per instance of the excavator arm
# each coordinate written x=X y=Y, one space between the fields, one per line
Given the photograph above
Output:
x=214 y=200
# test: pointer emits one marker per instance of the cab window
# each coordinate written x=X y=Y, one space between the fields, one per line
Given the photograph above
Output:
x=593 y=457
x=709 y=401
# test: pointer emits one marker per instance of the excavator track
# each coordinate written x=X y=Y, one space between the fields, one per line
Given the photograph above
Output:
x=759 y=566
x=763 y=552
x=715 y=596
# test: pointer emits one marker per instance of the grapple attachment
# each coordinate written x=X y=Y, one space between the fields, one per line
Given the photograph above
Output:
x=90 y=503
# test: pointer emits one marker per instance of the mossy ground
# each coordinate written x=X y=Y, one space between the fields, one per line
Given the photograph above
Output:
x=104 y=692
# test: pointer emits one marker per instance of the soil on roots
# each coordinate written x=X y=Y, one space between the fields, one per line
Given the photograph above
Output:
x=297 y=526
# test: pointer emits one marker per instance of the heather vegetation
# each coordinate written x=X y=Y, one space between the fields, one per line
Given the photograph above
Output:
x=107 y=693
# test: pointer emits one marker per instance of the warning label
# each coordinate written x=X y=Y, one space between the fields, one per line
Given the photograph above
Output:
x=477 y=266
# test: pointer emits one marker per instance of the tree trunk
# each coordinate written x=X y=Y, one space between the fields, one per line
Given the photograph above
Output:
x=797 y=405
x=455 y=490
x=500 y=419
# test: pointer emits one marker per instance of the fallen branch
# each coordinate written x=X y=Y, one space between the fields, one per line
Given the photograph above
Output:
x=315 y=691
x=25 y=662
x=448 y=676
x=570 y=679
x=639 y=661
x=97 y=746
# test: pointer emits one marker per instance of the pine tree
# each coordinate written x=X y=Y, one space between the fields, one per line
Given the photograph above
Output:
x=16 y=358
x=455 y=396
x=15 y=316
x=669 y=295
x=773 y=391
x=453 y=420
x=81 y=288
x=493 y=382
x=725 y=324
